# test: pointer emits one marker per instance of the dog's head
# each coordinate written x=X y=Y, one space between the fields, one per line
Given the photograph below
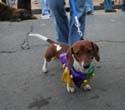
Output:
x=81 y=54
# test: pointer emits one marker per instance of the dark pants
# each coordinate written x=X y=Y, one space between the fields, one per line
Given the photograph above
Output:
x=123 y=6
x=24 y=4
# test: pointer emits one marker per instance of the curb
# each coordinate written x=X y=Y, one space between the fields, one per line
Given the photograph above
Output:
x=38 y=11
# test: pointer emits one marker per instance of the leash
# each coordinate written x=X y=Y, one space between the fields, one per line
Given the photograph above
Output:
x=77 y=24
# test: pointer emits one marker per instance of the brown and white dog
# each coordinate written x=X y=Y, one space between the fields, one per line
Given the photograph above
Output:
x=79 y=56
x=8 y=13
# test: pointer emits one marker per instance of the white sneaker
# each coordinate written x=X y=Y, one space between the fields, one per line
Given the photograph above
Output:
x=35 y=1
x=45 y=17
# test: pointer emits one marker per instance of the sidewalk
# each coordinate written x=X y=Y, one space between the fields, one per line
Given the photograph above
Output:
x=23 y=85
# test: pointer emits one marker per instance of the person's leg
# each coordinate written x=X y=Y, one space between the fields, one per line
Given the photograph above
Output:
x=73 y=34
x=45 y=9
x=60 y=19
x=24 y=4
x=21 y=4
x=102 y=3
x=28 y=5
x=108 y=4
x=11 y=2
x=89 y=7
x=123 y=6
x=7 y=2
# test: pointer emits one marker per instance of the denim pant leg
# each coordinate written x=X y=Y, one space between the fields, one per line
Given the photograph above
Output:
x=45 y=9
x=60 y=19
x=108 y=4
x=89 y=5
x=10 y=2
x=81 y=10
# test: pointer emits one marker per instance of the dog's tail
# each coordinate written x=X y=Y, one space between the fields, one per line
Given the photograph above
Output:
x=43 y=38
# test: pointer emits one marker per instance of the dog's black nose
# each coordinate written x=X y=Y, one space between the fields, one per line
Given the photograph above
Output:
x=86 y=65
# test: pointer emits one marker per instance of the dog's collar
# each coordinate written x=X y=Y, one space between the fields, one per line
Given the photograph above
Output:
x=78 y=77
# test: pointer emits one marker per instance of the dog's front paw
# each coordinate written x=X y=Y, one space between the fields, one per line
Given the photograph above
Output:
x=70 y=89
x=44 y=68
x=87 y=87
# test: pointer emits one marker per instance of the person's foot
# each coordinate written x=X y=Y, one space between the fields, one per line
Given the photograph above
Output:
x=35 y=2
x=89 y=13
x=45 y=16
x=108 y=11
x=103 y=3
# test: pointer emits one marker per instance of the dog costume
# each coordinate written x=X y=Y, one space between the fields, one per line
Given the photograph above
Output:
x=71 y=77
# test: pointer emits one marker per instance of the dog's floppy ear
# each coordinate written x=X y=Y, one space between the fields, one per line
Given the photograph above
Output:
x=69 y=56
x=96 y=51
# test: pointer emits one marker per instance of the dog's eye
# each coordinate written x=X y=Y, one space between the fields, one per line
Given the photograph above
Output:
x=89 y=51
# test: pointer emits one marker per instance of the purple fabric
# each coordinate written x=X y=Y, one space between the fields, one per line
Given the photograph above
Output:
x=78 y=77
x=63 y=59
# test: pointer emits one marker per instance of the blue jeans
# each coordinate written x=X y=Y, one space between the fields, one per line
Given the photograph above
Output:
x=65 y=28
x=89 y=5
x=45 y=9
x=108 y=4
x=10 y=2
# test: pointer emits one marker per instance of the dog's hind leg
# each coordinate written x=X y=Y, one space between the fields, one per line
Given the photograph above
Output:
x=49 y=55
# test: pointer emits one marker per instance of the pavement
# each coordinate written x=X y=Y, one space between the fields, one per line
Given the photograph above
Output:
x=23 y=85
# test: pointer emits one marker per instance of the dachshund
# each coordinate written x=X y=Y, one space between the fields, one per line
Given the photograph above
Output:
x=78 y=56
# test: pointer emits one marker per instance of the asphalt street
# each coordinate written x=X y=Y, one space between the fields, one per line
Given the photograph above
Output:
x=23 y=85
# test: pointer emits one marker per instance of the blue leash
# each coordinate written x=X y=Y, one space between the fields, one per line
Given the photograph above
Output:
x=76 y=18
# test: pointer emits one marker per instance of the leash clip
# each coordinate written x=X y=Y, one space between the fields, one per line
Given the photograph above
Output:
x=79 y=31
x=77 y=24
